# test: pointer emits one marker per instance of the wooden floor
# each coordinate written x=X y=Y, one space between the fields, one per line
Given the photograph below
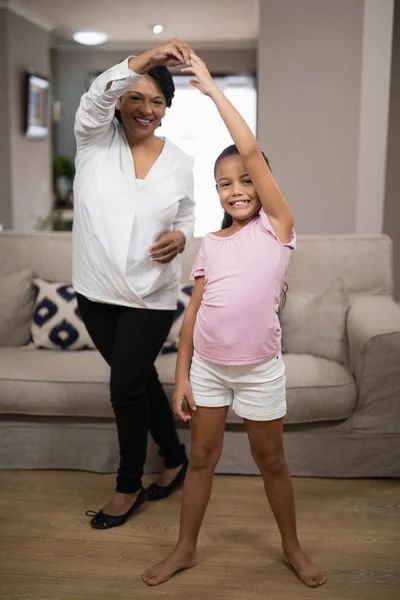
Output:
x=48 y=551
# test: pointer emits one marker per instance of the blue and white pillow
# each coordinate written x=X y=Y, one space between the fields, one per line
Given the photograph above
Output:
x=57 y=323
x=172 y=342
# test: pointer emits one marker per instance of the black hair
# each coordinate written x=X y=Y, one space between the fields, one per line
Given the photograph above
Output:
x=284 y=292
x=230 y=151
x=163 y=80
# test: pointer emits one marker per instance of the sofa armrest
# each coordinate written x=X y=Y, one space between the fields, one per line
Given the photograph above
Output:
x=373 y=329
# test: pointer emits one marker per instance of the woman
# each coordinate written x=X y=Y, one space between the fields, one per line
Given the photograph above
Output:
x=134 y=210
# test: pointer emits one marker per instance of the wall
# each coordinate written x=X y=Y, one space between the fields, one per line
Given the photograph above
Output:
x=309 y=66
x=5 y=149
x=28 y=47
x=391 y=220
x=374 y=114
x=70 y=67
x=25 y=165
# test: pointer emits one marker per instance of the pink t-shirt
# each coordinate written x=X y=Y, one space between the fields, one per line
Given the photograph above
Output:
x=237 y=322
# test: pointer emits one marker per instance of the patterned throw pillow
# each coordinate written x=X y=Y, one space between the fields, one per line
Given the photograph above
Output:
x=172 y=341
x=57 y=323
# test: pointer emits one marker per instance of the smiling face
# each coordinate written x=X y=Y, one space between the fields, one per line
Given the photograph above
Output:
x=236 y=191
x=142 y=109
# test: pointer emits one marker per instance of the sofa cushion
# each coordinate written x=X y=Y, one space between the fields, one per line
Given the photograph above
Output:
x=51 y=383
x=317 y=389
x=75 y=384
x=16 y=307
x=57 y=323
x=316 y=324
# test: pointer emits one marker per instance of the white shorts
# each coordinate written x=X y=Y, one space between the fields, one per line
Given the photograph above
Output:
x=256 y=392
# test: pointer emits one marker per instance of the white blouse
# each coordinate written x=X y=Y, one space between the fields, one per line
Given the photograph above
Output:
x=116 y=216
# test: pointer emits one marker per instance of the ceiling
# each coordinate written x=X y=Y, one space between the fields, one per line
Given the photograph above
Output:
x=211 y=23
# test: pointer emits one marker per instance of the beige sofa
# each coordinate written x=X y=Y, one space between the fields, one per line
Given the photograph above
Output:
x=343 y=419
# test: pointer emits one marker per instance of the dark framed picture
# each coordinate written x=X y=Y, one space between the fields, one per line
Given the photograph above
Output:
x=37 y=113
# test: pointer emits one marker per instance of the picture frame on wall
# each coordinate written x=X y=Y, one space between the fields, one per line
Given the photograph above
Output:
x=37 y=105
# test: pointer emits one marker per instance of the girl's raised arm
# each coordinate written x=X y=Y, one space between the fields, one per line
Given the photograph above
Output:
x=273 y=202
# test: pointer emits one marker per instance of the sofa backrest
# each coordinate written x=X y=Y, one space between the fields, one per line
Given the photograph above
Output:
x=48 y=254
x=363 y=261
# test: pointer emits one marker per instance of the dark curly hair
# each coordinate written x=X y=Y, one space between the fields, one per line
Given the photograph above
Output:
x=163 y=80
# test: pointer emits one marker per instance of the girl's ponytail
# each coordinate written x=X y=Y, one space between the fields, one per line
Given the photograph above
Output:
x=226 y=221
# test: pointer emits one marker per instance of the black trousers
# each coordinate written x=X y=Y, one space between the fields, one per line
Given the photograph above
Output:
x=130 y=340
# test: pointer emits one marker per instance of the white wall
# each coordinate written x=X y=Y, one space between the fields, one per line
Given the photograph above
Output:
x=324 y=76
x=25 y=191
x=391 y=224
x=5 y=149
x=374 y=114
x=309 y=67
x=28 y=47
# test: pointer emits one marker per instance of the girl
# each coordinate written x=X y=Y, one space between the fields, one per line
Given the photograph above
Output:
x=229 y=352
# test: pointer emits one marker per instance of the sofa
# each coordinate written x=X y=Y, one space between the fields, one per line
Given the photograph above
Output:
x=341 y=341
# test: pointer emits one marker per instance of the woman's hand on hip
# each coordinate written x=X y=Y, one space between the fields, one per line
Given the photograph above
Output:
x=204 y=82
x=167 y=247
x=183 y=396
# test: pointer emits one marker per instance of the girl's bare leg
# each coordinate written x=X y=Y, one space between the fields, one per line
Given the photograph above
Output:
x=266 y=442
x=207 y=433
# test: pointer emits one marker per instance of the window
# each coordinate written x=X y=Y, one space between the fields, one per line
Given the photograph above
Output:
x=193 y=123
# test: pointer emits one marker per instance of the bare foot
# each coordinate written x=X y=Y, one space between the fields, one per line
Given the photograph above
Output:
x=305 y=569
x=162 y=571
x=167 y=476
x=120 y=504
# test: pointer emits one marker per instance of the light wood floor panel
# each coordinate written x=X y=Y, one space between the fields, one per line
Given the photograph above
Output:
x=49 y=552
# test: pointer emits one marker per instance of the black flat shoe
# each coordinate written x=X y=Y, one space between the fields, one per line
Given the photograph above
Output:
x=158 y=492
x=101 y=520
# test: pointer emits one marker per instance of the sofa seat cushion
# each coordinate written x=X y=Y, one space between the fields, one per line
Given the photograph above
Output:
x=75 y=384
x=41 y=382
x=318 y=389
x=53 y=383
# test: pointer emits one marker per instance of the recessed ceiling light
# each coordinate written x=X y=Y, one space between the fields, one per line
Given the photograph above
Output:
x=158 y=29
x=90 y=38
